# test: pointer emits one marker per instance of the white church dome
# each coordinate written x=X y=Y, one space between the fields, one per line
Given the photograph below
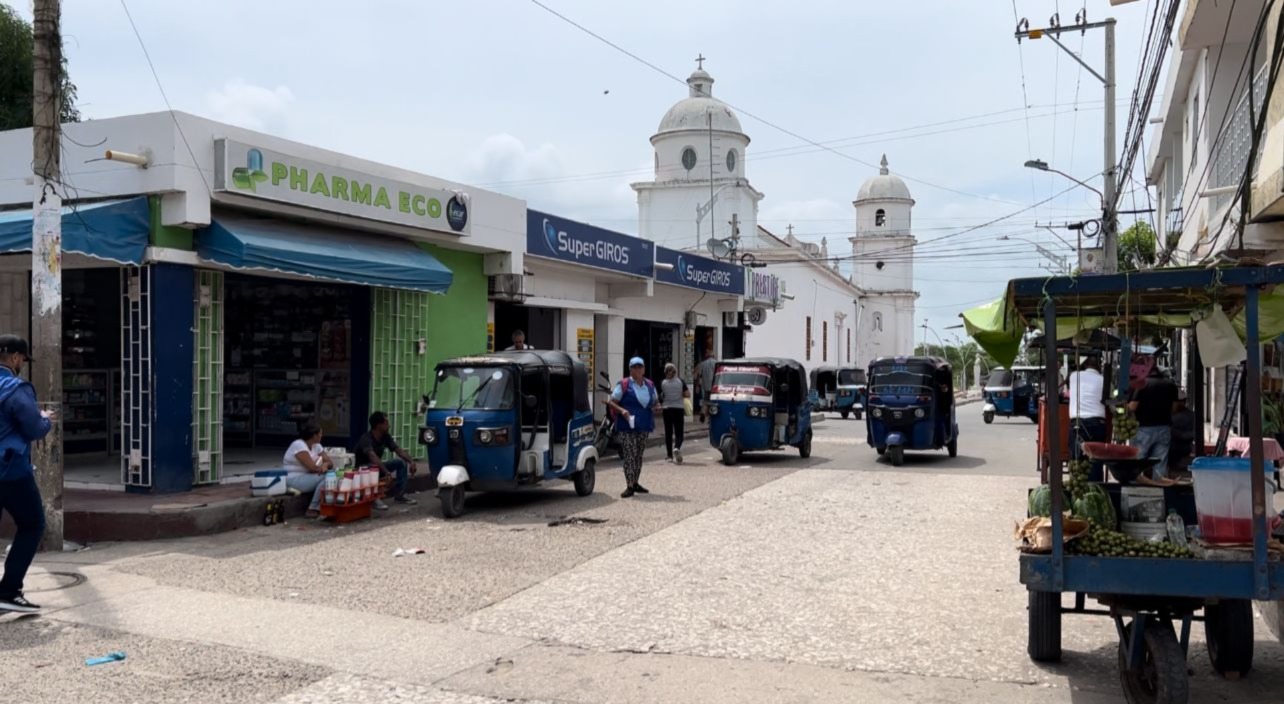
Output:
x=692 y=112
x=884 y=186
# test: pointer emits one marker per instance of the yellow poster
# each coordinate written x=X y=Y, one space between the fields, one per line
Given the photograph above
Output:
x=490 y=337
x=584 y=346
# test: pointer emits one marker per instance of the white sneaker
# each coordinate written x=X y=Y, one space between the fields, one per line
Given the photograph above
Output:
x=677 y=455
x=380 y=505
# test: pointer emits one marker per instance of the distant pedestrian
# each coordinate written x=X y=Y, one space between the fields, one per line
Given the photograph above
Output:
x=673 y=399
x=704 y=381
x=519 y=342
x=635 y=402
x=1154 y=404
x=21 y=423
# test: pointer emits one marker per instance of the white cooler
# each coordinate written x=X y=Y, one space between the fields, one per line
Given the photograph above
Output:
x=268 y=482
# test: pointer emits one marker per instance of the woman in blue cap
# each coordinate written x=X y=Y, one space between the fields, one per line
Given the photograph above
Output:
x=635 y=402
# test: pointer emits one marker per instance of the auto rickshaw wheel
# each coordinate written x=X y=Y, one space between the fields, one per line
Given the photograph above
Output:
x=586 y=478
x=953 y=447
x=897 y=455
x=1228 y=628
x=452 y=501
x=859 y=415
x=730 y=451
x=804 y=448
x=1161 y=675
x=844 y=413
x=988 y=417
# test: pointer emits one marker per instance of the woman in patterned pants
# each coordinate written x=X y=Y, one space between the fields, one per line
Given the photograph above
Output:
x=635 y=403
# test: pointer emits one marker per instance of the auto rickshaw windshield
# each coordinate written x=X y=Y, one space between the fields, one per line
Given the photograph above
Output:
x=464 y=385
x=851 y=377
x=1000 y=378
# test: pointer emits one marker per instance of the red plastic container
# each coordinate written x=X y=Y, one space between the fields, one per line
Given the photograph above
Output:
x=1110 y=451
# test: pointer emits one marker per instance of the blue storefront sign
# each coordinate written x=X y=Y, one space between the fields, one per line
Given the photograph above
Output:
x=703 y=273
x=570 y=241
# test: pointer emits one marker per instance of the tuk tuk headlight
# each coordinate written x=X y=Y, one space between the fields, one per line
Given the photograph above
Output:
x=713 y=409
x=919 y=413
x=877 y=413
x=491 y=436
x=484 y=437
x=755 y=412
x=428 y=436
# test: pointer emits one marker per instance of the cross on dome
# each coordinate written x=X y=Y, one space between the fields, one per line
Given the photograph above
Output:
x=700 y=62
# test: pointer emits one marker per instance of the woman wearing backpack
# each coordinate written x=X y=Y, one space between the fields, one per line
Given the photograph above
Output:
x=635 y=402
x=674 y=397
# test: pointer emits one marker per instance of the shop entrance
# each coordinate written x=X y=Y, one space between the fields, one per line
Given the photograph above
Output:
x=288 y=351
x=733 y=342
x=543 y=326
x=653 y=342
x=91 y=327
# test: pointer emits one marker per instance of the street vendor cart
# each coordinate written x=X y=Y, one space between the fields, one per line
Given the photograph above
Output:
x=1152 y=600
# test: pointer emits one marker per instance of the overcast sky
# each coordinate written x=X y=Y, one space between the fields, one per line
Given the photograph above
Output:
x=503 y=94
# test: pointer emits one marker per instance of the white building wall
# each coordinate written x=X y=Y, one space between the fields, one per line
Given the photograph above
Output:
x=667 y=214
x=817 y=297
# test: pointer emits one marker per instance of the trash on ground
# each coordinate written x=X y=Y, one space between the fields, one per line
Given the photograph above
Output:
x=575 y=521
x=399 y=552
x=109 y=657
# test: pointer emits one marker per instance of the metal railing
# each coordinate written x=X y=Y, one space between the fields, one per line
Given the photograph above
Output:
x=1231 y=158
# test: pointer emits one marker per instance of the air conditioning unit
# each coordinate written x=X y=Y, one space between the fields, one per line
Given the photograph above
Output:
x=730 y=319
x=506 y=287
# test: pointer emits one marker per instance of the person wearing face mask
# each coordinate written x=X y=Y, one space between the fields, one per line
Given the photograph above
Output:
x=21 y=423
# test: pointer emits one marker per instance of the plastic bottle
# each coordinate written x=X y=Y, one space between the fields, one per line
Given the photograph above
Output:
x=331 y=486
x=345 y=488
x=1176 y=529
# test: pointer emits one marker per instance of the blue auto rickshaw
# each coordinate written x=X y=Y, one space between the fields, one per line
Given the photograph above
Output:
x=759 y=404
x=911 y=406
x=1011 y=392
x=509 y=420
x=851 y=391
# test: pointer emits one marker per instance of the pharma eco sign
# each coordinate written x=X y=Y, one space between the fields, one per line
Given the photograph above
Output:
x=569 y=241
x=698 y=272
x=256 y=172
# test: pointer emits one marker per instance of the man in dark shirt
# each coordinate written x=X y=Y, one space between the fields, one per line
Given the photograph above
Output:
x=1183 y=442
x=1153 y=404
x=370 y=450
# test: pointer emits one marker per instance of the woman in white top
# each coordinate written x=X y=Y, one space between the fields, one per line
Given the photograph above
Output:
x=1087 y=410
x=306 y=463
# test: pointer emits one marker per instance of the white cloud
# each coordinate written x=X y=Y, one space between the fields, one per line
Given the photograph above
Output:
x=250 y=106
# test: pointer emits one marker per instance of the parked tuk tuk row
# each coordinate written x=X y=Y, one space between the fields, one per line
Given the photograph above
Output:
x=511 y=420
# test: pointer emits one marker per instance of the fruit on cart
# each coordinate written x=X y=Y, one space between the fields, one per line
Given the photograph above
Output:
x=1103 y=542
x=1093 y=503
x=1078 y=477
x=1125 y=425
x=1110 y=451
x=1040 y=503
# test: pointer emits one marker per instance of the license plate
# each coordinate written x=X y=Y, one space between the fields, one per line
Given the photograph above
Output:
x=454 y=422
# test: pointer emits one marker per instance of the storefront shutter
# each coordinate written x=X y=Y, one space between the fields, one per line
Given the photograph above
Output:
x=401 y=371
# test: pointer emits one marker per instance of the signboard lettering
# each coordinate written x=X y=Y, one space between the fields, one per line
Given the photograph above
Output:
x=566 y=240
x=702 y=273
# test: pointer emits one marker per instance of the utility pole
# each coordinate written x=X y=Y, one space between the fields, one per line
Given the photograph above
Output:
x=46 y=258
x=1109 y=227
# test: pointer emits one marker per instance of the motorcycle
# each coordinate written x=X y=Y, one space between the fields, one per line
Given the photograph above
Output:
x=604 y=440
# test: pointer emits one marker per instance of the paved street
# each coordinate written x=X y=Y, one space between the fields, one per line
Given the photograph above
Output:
x=837 y=578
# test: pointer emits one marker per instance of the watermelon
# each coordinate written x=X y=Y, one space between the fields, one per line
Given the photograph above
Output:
x=1040 y=503
x=1094 y=504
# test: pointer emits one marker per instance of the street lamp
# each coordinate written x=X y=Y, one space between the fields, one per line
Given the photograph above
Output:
x=1041 y=165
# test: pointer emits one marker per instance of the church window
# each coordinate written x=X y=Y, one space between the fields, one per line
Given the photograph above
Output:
x=849 y=345
x=824 y=340
x=688 y=158
x=880 y=217
x=731 y=161
x=657 y=162
x=808 y=345
x=878 y=322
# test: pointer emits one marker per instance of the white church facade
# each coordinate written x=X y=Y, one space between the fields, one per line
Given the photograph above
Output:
x=701 y=193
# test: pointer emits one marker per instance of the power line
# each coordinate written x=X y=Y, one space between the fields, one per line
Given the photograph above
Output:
x=745 y=112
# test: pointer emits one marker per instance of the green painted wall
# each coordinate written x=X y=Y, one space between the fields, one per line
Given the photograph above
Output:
x=458 y=318
x=450 y=325
x=165 y=236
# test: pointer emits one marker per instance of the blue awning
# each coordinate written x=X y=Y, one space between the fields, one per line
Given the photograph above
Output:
x=116 y=231
x=321 y=252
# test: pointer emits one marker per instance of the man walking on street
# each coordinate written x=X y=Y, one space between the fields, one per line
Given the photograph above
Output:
x=704 y=381
x=1153 y=405
x=21 y=423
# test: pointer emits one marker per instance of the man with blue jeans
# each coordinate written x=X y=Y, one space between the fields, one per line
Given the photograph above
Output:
x=21 y=423
x=370 y=450
x=1153 y=404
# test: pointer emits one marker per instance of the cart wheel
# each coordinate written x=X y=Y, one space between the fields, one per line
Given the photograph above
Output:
x=586 y=478
x=953 y=447
x=896 y=455
x=988 y=417
x=730 y=451
x=1228 y=628
x=845 y=414
x=1045 y=627
x=804 y=448
x=1160 y=677
x=452 y=502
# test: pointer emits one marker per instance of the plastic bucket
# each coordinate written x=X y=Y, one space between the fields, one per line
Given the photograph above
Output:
x=1142 y=513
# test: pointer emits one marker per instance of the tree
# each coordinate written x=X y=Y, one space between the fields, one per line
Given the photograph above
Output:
x=961 y=358
x=16 y=67
x=1138 y=247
